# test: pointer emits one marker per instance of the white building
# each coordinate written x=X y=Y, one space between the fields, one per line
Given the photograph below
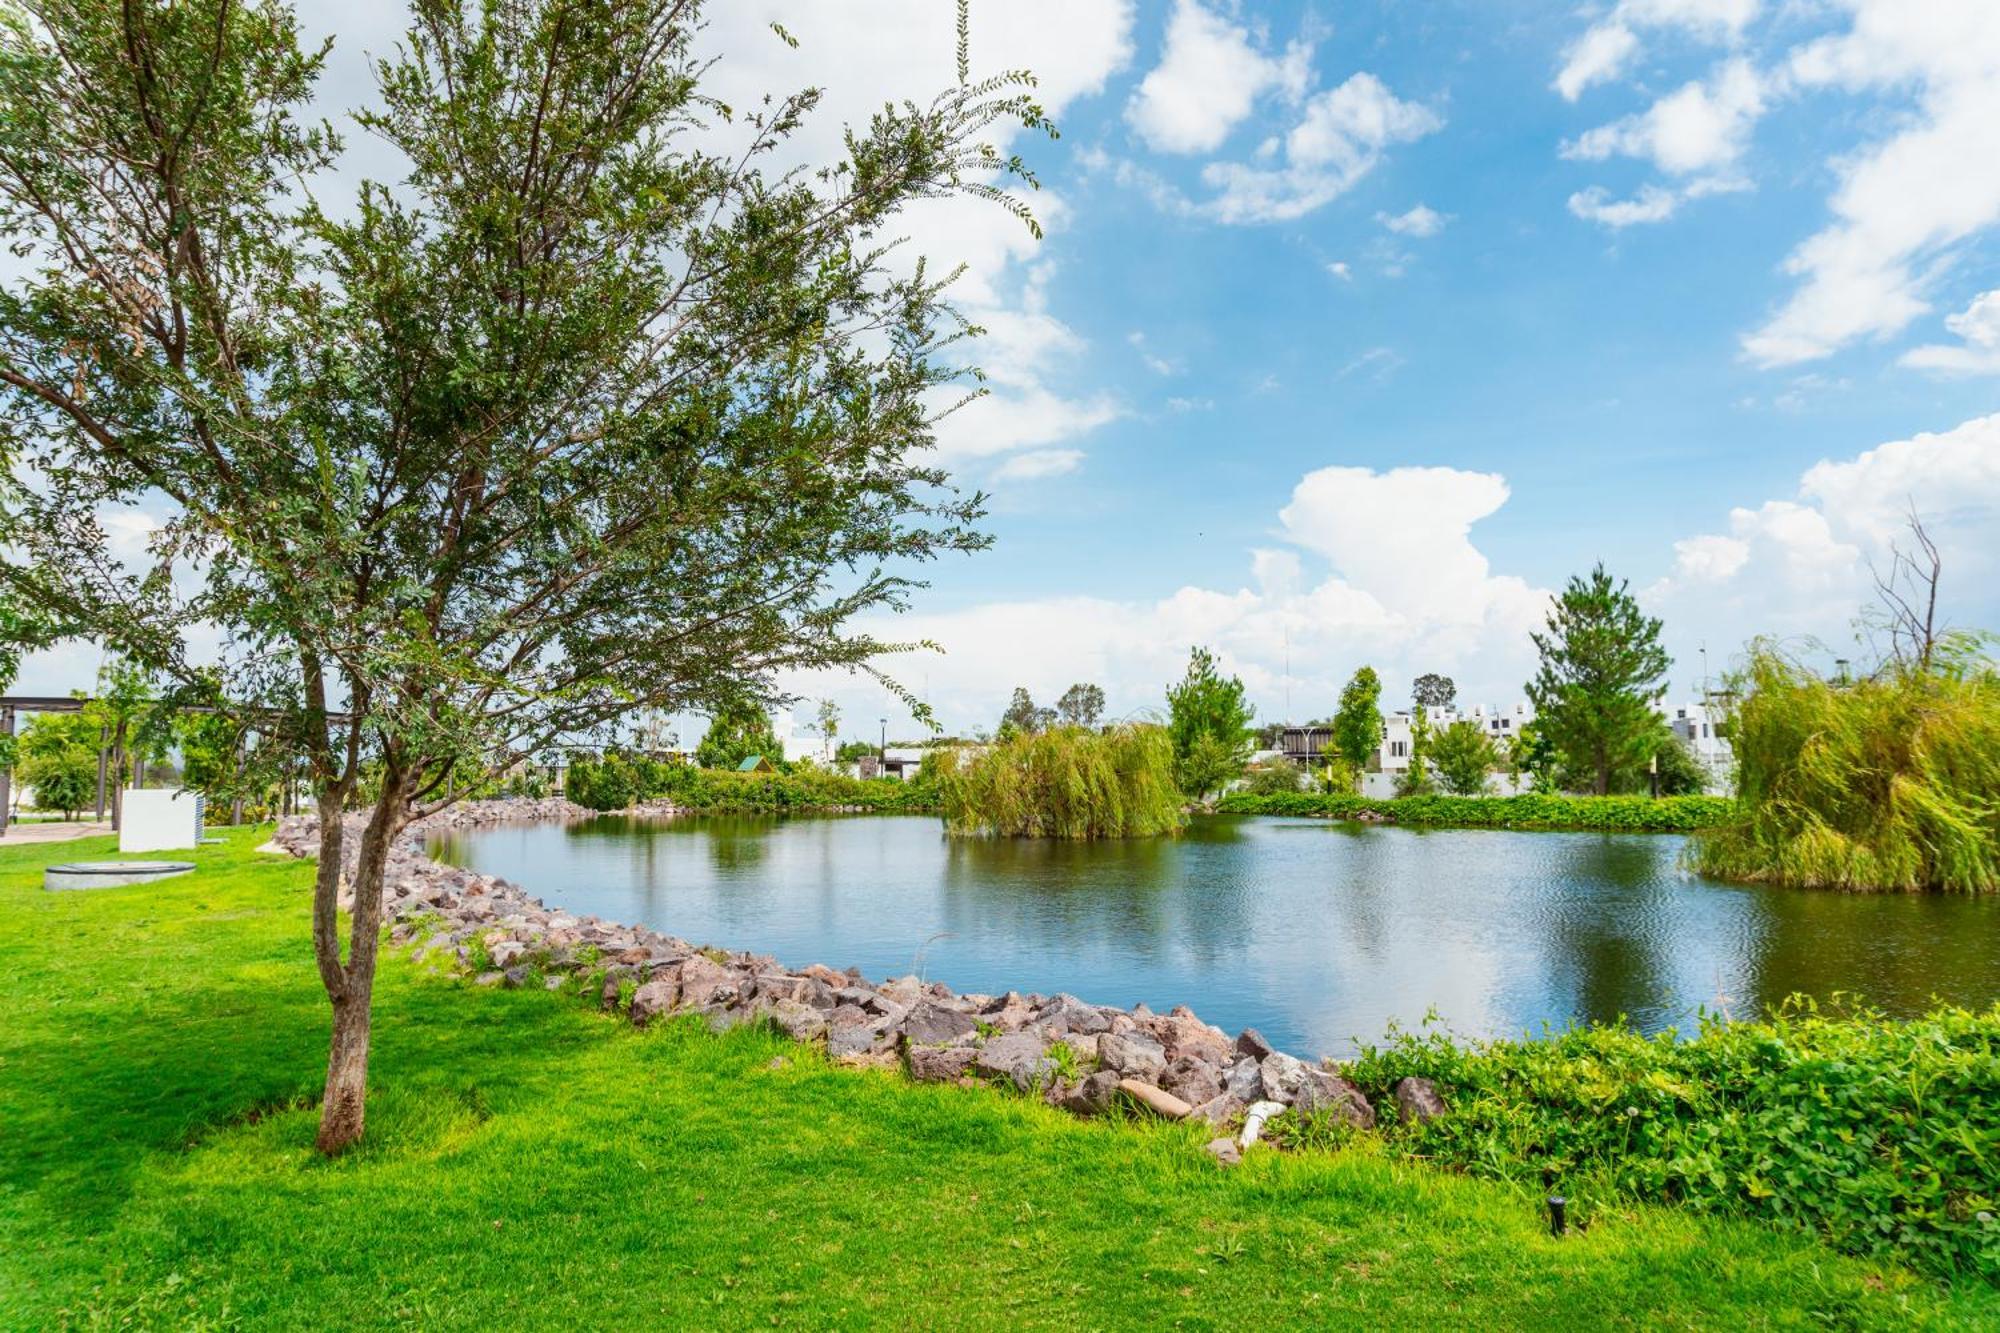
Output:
x=1696 y=725
x=1502 y=725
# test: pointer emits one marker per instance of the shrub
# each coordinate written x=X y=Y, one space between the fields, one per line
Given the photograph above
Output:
x=1892 y=783
x=1636 y=814
x=617 y=781
x=1879 y=1136
x=1268 y=779
x=1065 y=782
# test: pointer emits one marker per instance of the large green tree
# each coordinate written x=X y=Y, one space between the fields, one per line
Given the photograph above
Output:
x=1208 y=722
x=1464 y=757
x=1602 y=671
x=739 y=729
x=582 y=415
x=1357 y=727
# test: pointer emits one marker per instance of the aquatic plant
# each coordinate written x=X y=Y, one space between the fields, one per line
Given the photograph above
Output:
x=1065 y=782
x=1890 y=782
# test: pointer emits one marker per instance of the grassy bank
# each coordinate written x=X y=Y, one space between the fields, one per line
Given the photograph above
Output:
x=1625 y=814
x=531 y=1164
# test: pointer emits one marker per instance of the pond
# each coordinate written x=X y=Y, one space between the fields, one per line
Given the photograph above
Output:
x=1318 y=934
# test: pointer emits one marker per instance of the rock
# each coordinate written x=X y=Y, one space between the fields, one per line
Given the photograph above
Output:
x=776 y=986
x=1225 y=1152
x=1083 y=1045
x=1072 y=1016
x=1218 y=1110
x=940 y=1064
x=1323 y=1093
x=514 y=978
x=1193 y=1081
x=1132 y=1053
x=1244 y=1081
x=656 y=997
x=1417 y=1100
x=1019 y=1056
x=905 y=991
x=494 y=979
x=1251 y=1042
x=1094 y=1095
x=703 y=981
x=797 y=1019
x=1282 y=1075
x=1188 y=1038
x=1157 y=1100
x=554 y=981
x=930 y=1024
x=855 y=1038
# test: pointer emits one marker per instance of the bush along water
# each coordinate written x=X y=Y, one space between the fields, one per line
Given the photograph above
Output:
x=1886 y=783
x=1634 y=814
x=1882 y=1137
x=619 y=781
x=1065 y=782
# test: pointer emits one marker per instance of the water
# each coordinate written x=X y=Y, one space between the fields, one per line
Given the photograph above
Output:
x=1318 y=934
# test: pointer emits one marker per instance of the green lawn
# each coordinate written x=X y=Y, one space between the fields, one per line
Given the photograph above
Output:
x=530 y=1164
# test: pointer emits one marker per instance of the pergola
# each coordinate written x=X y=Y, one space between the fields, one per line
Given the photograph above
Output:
x=44 y=703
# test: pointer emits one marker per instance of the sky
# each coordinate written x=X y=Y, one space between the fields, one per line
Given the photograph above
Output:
x=1358 y=328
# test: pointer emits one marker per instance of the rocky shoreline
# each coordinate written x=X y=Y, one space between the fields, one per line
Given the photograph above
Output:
x=1084 y=1058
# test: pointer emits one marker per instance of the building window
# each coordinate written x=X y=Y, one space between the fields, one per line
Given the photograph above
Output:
x=1396 y=749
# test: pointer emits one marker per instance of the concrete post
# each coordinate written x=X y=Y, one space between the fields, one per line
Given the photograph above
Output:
x=6 y=775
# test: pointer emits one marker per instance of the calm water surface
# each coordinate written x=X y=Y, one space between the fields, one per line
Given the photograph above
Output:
x=1318 y=934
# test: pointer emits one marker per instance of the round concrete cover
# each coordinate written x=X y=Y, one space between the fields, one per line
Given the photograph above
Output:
x=110 y=874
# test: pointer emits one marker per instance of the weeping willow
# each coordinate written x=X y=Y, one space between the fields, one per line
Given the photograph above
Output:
x=1888 y=783
x=1066 y=782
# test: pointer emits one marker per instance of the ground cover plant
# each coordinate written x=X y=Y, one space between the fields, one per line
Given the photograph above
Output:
x=1881 y=1137
x=531 y=1163
x=1891 y=782
x=1532 y=810
x=1062 y=782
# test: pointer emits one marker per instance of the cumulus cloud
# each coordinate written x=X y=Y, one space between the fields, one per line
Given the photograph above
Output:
x=1420 y=221
x=1978 y=352
x=1373 y=566
x=1038 y=463
x=1608 y=46
x=1651 y=204
x=1702 y=126
x=1802 y=564
x=1341 y=137
x=1210 y=75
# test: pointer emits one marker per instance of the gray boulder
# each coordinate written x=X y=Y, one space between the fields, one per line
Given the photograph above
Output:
x=1244 y=1081
x=1323 y=1093
x=1132 y=1053
x=1193 y=1081
x=798 y=1020
x=1251 y=1042
x=704 y=982
x=1417 y=1100
x=1219 y=1110
x=930 y=1024
x=1017 y=1056
x=653 y=999
x=940 y=1064
x=1094 y=1095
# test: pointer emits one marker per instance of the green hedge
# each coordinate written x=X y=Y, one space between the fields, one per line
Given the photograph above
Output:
x=1668 y=814
x=618 y=781
x=1882 y=1137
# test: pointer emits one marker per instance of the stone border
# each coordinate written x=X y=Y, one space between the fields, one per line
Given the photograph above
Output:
x=1083 y=1058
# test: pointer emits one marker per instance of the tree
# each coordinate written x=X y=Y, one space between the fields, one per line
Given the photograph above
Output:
x=1209 y=725
x=1080 y=706
x=1465 y=756
x=853 y=752
x=1433 y=691
x=581 y=416
x=828 y=720
x=58 y=758
x=1023 y=717
x=1357 y=727
x=739 y=729
x=1532 y=753
x=1602 y=670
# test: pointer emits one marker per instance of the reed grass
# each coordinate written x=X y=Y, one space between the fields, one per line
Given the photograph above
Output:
x=1890 y=783
x=1065 y=782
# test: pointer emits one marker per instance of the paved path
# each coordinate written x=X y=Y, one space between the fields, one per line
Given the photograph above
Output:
x=19 y=834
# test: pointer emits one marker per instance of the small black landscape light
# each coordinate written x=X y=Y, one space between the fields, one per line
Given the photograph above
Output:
x=1558 y=1221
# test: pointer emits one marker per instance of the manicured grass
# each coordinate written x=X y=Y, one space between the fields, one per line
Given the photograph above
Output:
x=532 y=1164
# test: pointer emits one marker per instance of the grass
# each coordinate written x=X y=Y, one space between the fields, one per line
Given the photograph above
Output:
x=532 y=1164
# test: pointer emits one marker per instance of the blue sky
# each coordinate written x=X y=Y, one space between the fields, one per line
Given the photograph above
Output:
x=1359 y=327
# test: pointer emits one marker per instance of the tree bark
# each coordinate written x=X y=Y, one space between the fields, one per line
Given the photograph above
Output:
x=351 y=986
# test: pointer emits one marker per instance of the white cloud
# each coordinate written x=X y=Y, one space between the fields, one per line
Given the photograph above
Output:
x=1378 y=363
x=1154 y=362
x=1398 y=583
x=1039 y=463
x=1339 y=269
x=1608 y=46
x=1340 y=138
x=1182 y=406
x=1422 y=220
x=1905 y=201
x=1801 y=565
x=1702 y=126
x=1210 y=75
x=1978 y=325
x=1651 y=204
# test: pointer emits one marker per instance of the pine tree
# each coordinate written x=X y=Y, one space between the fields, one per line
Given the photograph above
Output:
x=1602 y=671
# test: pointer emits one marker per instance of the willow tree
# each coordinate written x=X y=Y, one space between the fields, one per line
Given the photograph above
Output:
x=585 y=414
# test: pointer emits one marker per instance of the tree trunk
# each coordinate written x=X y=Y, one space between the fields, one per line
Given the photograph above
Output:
x=351 y=987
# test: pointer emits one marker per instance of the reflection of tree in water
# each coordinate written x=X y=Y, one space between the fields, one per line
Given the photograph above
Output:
x=1895 y=952
x=1608 y=917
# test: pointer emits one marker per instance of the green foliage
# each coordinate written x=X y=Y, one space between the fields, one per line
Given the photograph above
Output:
x=739 y=729
x=57 y=756
x=1415 y=779
x=1066 y=782
x=1023 y=717
x=1626 y=814
x=617 y=781
x=1433 y=691
x=1209 y=726
x=1877 y=1136
x=1532 y=754
x=1602 y=669
x=1278 y=776
x=1885 y=783
x=1465 y=757
x=1337 y=775
x=1081 y=705
x=1357 y=727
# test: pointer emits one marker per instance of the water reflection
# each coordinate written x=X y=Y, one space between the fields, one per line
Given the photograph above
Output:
x=1319 y=934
